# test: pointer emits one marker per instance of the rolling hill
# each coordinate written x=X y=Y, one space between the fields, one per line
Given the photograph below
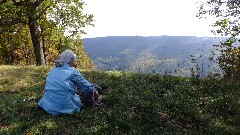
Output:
x=172 y=55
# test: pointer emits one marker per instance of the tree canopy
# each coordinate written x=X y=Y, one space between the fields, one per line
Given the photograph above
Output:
x=38 y=28
x=227 y=14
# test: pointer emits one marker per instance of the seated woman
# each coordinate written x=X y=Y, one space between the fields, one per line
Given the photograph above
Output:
x=61 y=85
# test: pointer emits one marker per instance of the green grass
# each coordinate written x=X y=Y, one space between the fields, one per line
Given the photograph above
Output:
x=135 y=104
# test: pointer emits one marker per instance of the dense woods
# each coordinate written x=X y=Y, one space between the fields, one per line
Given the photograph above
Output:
x=35 y=32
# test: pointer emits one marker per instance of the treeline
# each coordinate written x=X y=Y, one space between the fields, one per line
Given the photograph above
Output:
x=35 y=32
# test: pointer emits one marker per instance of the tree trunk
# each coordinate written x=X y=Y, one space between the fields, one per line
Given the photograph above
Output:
x=43 y=43
x=12 y=56
x=35 y=36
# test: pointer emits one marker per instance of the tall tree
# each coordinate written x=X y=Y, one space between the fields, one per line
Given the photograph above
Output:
x=65 y=14
x=227 y=14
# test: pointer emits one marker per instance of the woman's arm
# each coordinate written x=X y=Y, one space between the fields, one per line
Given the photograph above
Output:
x=81 y=82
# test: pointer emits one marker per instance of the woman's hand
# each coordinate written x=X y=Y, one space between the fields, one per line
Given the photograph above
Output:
x=95 y=95
x=92 y=98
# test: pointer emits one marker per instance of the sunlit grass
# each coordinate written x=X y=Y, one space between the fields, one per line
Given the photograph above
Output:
x=135 y=104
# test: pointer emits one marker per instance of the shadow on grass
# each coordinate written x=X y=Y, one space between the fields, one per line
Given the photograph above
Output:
x=134 y=104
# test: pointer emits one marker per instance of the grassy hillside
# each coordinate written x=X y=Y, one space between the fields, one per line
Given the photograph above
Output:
x=135 y=104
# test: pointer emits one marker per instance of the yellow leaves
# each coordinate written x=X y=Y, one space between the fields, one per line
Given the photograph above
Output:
x=237 y=51
x=18 y=52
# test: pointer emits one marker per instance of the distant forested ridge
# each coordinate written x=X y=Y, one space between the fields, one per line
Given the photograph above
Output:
x=171 y=55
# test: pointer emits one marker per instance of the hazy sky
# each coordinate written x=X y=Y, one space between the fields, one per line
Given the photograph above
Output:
x=146 y=18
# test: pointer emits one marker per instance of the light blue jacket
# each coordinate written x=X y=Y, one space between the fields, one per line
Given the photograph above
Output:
x=60 y=90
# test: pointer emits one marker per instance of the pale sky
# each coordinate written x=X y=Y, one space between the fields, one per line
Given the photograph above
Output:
x=146 y=18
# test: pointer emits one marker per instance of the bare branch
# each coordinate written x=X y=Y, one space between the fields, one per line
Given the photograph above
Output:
x=37 y=3
x=3 y=1
x=12 y=22
x=17 y=3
